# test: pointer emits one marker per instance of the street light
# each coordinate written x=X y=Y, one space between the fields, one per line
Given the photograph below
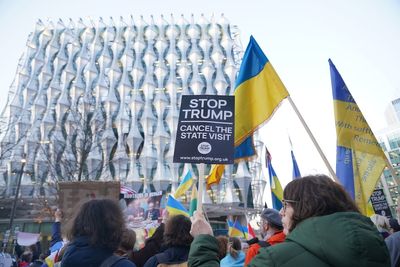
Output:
x=23 y=161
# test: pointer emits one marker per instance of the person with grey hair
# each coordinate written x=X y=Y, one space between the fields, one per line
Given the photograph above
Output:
x=271 y=231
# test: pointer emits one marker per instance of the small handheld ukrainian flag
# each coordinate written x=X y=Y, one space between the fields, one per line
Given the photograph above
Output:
x=185 y=185
x=174 y=207
x=276 y=187
x=235 y=229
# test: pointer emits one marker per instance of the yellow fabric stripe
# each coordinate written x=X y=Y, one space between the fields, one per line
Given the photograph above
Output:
x=367 y=169
x=256 y=100
x=353 y=130
x=278 y=191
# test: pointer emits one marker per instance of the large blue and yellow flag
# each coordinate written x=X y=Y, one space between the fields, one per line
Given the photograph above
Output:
x=259 y=91
x=185 y=185
x=359 y=157
x=174 y=207
x=276 y=187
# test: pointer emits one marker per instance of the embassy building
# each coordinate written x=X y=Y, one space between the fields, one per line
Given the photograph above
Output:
x=99 y=101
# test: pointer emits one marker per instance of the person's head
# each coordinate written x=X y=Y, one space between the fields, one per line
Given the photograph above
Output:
x=222 y=246
x=311 y=196
x=271 y=222
x=127 y=242
x=151 y=205
x=26 y=256
x=177 y=231
x=234 y=246
x=101 y=220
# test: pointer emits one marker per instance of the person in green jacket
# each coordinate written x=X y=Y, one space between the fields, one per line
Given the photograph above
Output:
x=324 y=229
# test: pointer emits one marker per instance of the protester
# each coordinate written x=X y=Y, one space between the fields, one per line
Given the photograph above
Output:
x=222 y=246
x=323 y=228
x=393 y=244
x=177 y=240
x=271 y=231
x=235 y=256
x=382 y=224
x=95 y=232
x=152 y=247
x=26 y=259
x=127 y=244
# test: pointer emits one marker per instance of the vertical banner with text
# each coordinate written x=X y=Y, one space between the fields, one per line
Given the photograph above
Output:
x=205 y=130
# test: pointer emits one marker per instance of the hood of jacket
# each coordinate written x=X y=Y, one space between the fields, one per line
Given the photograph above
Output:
x=342 y=239
x=80 y=254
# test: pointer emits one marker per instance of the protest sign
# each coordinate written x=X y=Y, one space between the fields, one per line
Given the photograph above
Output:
x=380 y=204
x=205 y=131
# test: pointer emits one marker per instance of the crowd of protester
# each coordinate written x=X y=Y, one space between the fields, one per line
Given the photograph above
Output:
x=319 y=225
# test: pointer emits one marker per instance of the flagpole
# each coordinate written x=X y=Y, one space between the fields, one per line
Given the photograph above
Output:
x=313 y=139
x=200 y=189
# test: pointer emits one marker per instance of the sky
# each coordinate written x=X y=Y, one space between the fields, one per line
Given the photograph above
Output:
x=362 y=37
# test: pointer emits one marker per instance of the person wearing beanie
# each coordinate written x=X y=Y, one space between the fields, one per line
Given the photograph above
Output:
x=271 y=232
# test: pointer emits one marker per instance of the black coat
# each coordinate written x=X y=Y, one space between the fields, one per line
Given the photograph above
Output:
x=140 y=257
x=80 y=254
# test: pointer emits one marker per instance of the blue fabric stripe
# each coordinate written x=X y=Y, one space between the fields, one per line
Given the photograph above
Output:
x=344 y=169
x=245 y=149
x=339 y=88
x=296 y=171
x=276 y=203
x=253 y=62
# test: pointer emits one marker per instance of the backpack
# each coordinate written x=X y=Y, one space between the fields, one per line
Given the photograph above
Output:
x=160 y=259
x=110 y=261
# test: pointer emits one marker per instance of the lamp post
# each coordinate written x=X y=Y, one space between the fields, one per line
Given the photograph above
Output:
x=23 y=161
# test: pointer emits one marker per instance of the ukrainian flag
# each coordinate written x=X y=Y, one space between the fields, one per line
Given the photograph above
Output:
x=276 y=188
x=359 y=157
x=175 y=208
x=185 y=185
x=235 y=229
x=258 y=93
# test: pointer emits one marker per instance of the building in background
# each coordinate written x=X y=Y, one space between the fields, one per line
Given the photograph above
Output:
x=96 y=100
x=389 y=139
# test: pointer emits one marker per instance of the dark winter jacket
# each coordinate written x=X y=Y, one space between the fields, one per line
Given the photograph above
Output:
x=151 y=248
x=80 y=254
x=204 y=252
x=170 y=255
x=342 y=239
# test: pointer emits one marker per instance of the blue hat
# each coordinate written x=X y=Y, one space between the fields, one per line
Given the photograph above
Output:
x=272 y=216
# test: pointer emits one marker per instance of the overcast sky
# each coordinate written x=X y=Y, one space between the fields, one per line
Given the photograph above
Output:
x=362 y=37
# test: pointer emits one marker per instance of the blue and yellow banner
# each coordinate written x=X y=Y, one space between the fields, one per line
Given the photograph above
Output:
x=259 y=91
x=359 y=157
x=276 y=187
x=185 y=185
